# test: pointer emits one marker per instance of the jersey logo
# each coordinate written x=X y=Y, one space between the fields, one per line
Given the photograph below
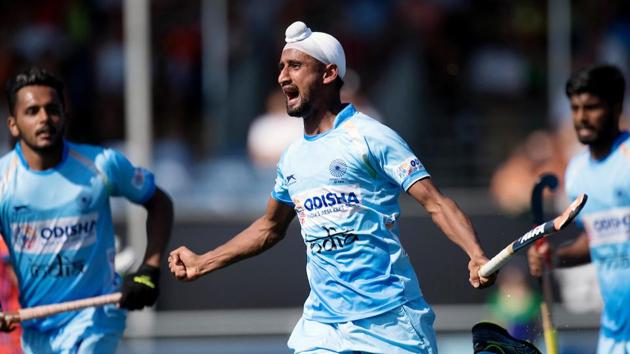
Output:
x=608 y=227
x=60 y=267
x=332 y=241
x=328 y=203
x=290 y=180
x=55 y=235
x=338 y=168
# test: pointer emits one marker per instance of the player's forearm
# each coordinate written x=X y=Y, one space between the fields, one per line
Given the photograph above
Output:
x=159 y=225
x=577 y=253
x=255 y=239
x=456 y=226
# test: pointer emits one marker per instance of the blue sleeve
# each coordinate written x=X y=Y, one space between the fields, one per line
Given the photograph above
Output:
x=394 y=157
x=134 y=183
x=280 y=191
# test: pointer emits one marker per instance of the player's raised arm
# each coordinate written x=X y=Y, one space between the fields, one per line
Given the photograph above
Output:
x=261 y=235
x=454 y=224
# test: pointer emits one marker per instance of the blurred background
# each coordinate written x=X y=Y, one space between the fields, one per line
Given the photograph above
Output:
x=188 y=88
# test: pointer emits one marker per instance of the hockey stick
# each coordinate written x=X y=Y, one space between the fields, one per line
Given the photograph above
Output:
x=545 y=181
x=538 y=232
x=25 y=314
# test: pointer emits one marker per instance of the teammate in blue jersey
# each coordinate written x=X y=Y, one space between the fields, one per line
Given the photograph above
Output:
x=343 y=181
x=56 y=220
x=602 y=172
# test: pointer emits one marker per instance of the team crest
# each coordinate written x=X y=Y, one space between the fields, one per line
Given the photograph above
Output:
x=338 y=168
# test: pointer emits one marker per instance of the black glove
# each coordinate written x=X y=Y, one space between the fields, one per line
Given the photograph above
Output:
x=7 y=322
x=140 y=289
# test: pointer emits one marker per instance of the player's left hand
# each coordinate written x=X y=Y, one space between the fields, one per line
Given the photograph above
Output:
x=140 y=289
x=475 y=279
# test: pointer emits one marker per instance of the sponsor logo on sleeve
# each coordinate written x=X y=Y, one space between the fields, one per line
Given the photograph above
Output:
x=408 y=167
x=53 y=236
x=137 y=181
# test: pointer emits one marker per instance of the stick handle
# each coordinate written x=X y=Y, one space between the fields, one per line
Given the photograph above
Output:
x=549 y=331
x=53 y=309
x=496 y=262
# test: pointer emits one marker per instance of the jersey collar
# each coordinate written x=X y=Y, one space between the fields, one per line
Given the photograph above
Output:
x=621 y=139
x=623 y=136
x=346 y=113
x=20 y=154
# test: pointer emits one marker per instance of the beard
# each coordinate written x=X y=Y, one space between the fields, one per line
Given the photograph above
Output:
x=53 y=146
x=598 y=135
x=301 y=110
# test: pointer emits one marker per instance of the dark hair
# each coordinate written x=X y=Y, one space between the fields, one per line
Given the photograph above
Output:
x=30 y=77
x=603 y=81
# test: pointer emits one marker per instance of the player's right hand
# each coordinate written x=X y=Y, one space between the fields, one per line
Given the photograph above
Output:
x=537 y=255
x=184 y=264
x=6 y=323
x=477 y=281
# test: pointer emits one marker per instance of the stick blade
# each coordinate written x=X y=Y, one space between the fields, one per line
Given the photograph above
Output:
x=570 y=213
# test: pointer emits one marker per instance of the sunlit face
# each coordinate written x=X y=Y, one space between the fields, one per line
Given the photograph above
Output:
x=38 y=120
x=300 y=78
x=593 y=118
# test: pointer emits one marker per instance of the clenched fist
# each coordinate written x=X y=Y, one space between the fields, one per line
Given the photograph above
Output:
x=184 y=264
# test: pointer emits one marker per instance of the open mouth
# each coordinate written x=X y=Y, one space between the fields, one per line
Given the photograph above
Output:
x=45 y=133
x=292 y=94
x=585 y=132
x=584 y=128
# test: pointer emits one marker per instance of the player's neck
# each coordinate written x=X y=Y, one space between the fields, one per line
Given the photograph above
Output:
x=601 y=150
x=323 y=119
x=42 y=160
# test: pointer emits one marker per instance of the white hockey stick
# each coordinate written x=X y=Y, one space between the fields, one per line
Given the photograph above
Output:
x=9 y=318
x=538 y=232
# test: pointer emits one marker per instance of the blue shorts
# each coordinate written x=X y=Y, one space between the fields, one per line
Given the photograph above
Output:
x=607 y=345
x=95 y=330
x=404 y=330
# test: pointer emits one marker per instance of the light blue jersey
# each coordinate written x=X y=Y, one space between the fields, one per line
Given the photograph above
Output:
x=58 y=224
x=606 y=219
x=344 y=185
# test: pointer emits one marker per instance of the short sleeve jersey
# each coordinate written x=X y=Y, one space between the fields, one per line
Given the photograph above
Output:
x=344 y=185
x=606 y=219
x=58 y=226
